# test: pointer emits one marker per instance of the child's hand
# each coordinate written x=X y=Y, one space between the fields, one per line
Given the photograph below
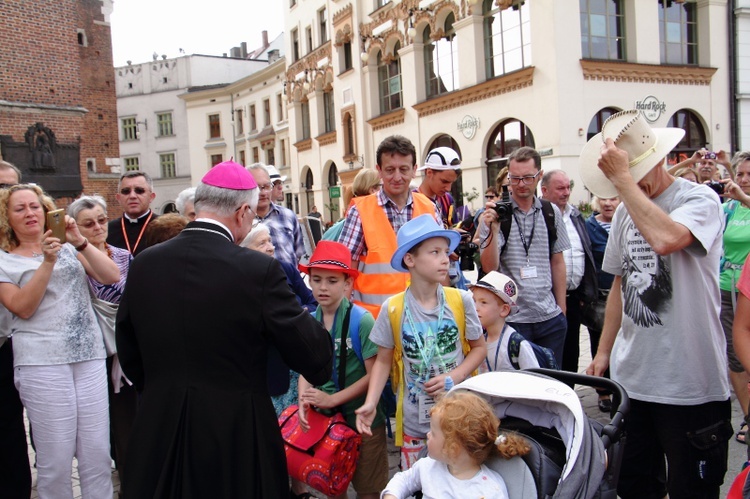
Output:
x=365 y=417
x=302 y=415
x=313 y=396
x=435 y=386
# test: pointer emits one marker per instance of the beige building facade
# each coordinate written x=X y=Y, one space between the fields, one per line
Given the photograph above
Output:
x=488 y=77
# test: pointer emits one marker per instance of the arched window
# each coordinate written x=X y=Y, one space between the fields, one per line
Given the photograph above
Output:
x=333 y=175
x=309 y=194
x=508 y=136
x=694 y=139
x=595 y=125
x=441 y=60
x=458 y=186
x=507 y=38
x=389 y=80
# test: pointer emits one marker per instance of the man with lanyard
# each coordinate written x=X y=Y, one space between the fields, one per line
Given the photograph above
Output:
x=372 y=223
x=135 y=193
x=527 y=258
x=580 y=267
x=286 y=234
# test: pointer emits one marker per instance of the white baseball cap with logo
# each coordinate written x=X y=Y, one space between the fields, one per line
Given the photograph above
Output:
x=501 y=285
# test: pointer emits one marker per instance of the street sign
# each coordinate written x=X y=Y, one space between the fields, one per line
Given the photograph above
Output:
x=334 y=192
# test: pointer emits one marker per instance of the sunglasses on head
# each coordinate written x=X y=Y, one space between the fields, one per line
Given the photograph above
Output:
x=125 y=191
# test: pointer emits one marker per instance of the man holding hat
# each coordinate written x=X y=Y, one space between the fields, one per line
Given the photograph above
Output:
x=662 y=337
x=195 y=323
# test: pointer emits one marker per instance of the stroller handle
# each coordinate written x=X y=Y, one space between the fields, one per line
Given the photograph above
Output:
x=612 y=431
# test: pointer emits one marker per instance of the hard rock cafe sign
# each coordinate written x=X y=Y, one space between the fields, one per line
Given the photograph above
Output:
x=468 y=126
x=651 y=108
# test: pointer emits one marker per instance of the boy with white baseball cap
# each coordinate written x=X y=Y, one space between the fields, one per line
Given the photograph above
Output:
x=495 y=297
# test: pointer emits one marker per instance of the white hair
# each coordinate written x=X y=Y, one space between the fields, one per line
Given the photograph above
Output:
x=260 y=229
x=183 y=198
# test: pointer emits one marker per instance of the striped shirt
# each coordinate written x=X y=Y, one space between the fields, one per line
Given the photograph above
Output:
x=536 y=302
x=286 y=234
x=353 y=236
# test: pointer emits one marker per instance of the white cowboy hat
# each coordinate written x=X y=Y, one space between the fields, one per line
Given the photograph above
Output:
x=645 y=146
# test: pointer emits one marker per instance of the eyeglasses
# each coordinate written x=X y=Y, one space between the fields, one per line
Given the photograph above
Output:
x=89 y=224
x=125 y=191
x=265 y=187
x=527 y=179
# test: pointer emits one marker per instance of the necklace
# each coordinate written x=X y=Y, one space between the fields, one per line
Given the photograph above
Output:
x=34 y=255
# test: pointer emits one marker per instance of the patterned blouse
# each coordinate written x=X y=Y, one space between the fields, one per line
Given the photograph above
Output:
x=113 y=292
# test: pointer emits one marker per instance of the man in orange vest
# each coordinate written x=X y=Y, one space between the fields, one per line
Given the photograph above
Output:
x=373 y=221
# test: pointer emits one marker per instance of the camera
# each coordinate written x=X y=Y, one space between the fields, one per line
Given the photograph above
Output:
x=466 y=251
x=504 y=208
x=717 y=187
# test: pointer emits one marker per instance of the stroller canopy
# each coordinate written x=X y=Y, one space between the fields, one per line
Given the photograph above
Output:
x=548 y=403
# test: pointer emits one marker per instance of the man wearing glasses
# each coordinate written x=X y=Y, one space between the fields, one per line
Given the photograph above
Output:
x=532 y=258
x=135 y=192
x=286 y=234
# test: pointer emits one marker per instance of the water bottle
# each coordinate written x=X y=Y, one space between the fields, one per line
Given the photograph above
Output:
x=448 y=383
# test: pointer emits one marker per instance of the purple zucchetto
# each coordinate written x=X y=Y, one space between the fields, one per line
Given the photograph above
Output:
x=230 y=175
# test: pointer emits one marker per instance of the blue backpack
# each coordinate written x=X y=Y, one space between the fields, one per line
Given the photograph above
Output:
x=544 y=355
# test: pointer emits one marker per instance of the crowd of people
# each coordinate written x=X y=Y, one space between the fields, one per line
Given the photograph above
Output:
x=220 y=328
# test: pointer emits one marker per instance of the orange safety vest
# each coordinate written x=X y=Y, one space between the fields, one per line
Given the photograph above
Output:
x=377 y=280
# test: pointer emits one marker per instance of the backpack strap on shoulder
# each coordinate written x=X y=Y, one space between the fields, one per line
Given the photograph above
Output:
x=549 y=219
x=395 y=308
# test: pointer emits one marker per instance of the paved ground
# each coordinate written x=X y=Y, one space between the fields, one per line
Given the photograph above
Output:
x=737 y=451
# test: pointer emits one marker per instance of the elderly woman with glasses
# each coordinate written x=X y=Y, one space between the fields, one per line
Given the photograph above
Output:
x=90 y=214
x=58 y=347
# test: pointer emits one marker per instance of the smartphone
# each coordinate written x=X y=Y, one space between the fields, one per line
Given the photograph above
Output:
x=56 y=223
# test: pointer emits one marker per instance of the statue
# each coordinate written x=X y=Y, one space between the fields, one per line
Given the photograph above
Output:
x=42 y=144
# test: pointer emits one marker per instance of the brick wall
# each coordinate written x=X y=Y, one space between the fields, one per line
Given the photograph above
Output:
x=43 y=65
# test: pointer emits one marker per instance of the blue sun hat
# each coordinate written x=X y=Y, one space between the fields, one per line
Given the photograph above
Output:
x=414 y=232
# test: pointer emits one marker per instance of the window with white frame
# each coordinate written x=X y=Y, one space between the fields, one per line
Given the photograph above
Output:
x=266 y=112
x=240 y=121
x=328 y=112
x=164 y=124
x=602 y=29
x=214 y=126
x=132 y=163
x=441 y=60
x=678 y=32
x=305 y=115
x=309 y=38
x=295 y=45
x=167 y=165
x=253 y=118
x=389 y=81
x=280 y=107
x=507 y=38
x=323 y=25
x=129 y=129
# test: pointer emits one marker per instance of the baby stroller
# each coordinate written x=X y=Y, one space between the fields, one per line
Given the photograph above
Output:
x=572 y=457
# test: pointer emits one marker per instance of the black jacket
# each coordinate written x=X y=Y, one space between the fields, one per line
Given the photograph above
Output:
x=193 y=330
